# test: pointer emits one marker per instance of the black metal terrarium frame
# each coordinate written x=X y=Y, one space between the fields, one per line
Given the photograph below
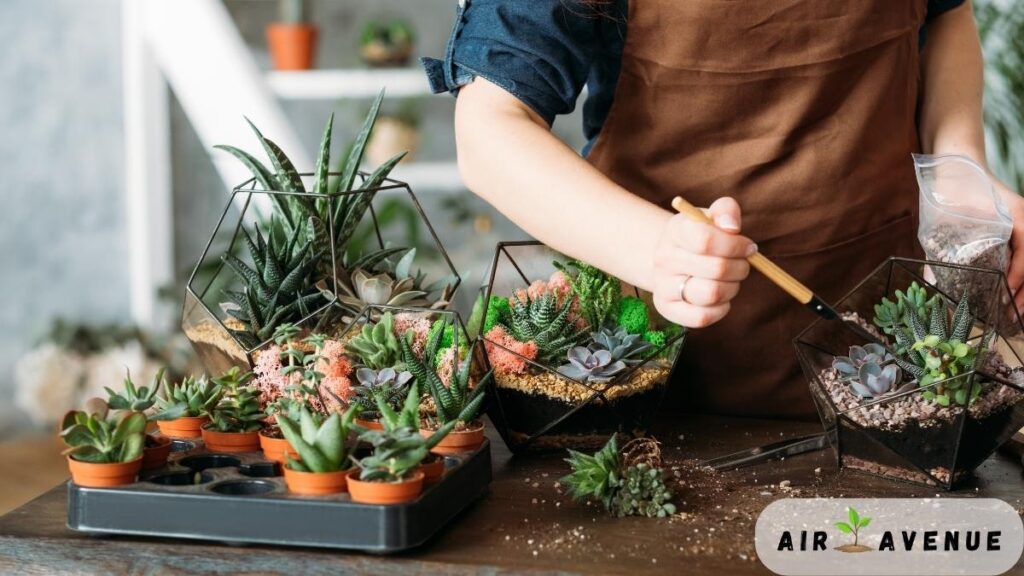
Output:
x=196 y=307
x=597 y=393
x=967 y=441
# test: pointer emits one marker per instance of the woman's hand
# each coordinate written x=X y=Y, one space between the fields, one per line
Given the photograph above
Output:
x=1015 y=272
x=709 y=262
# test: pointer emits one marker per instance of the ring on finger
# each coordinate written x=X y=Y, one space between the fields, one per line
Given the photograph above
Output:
x=682 y=287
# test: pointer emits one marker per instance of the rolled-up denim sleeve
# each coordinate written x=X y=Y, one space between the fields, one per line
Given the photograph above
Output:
x=540 y=51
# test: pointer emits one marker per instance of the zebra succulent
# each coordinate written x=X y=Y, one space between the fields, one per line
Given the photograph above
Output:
x=586 y=365
x=629 y=348
x=457 y=402
x=940 y=353
x=545 y=322
x=376 y=346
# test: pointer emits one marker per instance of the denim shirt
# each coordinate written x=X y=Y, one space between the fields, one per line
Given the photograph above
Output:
x=544 y=52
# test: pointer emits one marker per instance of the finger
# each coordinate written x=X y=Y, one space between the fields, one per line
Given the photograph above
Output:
x=690 y=315
x=680 y=262
x=702 y=238
x=726 y=214
x=704 y=292
x=1015 y=273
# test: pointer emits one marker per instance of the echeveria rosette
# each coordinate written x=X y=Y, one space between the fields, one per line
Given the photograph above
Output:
x=586 y=365
x=629 y=348
x=387 y=385
x=870 y=371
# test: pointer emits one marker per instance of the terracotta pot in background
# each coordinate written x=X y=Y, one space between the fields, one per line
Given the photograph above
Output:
x=432 y=468
x=276 y=448
x=184 y=427
x=154 y=457
x=459 y=441
x=369 y=424
x=315 y=483
x=231 y=442
x=92 y=475
x=391 y=136
x=385 y=492
x=291 y=45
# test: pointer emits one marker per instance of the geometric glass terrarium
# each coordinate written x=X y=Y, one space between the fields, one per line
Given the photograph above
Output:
x=939 y=387
x=576 y=357
x=324 y=272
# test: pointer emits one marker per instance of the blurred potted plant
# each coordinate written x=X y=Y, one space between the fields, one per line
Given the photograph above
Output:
x=395 y=133
x=141 y=399
x=386 y=43
x=292 y=38
x=104 y=447
x=184 y=408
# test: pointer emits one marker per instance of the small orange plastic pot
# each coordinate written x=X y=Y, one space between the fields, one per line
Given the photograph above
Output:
x=316 y=483
x=184 y=427
x=94 y=475
x=154 y=457
x=277 y=448
x=432 y=468
x=231 y=442
x=366 y=492
x=369 y=424
x=458 y=441
x=291 y=45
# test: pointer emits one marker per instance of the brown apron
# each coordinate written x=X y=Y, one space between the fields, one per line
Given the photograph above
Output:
x=802 y=110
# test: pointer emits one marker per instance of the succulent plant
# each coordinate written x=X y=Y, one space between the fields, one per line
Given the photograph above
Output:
x=135 y=399
x=543 y=321
x=387 y=385
x=457 y=402
x=637 y=489
x=239 y=407
x=321 y=447
x=396 y=452
x=586 y=365
x=598 y=293
x=629 y=348
x=376 y=345
x=192 y=397
x=99 y=435
x=394 y=285
x=890 y=315
x=870 y=371
x=279 y=285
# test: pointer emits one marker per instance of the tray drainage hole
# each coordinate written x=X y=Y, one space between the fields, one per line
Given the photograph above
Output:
x=182 y=445
x=182 y=479
x=243 y=488
x=205 y=461
x=260 y=470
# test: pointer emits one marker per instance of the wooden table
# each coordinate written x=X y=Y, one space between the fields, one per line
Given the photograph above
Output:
x=526 y=524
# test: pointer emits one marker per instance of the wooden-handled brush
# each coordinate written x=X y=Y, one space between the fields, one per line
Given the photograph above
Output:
x=777 y=275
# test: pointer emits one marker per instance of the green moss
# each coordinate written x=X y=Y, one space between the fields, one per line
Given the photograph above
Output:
x=672 y=330
x=497 y=311
x=633 y=315
x=655 y=338
x=447 y=337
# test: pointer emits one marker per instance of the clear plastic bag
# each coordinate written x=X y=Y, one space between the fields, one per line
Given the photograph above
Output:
x=963 y=221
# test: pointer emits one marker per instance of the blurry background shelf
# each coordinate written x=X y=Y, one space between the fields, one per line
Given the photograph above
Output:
x=348 y=83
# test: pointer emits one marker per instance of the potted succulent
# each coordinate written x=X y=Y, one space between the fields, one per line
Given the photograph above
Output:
x=323 y=448
x=433 y=464
x=306 y=249
x=140 y=399
x=386 y=43
x=457 y=401
x=575 y=356
x=292 y=38
x=381 y=374
x=934 y=394
x=391 y=473
x=237 y=418
x=104 y=446
x=184 y=408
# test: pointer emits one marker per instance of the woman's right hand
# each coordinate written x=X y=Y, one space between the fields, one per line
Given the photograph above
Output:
x=709 y=260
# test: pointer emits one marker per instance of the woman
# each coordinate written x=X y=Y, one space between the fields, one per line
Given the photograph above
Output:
x=792 y=121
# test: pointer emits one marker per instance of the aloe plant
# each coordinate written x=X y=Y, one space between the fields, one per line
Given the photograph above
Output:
x=99 y=435
x=456 y=402
x=321 y=447
x=192 y=397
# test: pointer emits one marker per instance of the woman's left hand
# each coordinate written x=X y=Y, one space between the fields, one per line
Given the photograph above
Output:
x=1015 y=273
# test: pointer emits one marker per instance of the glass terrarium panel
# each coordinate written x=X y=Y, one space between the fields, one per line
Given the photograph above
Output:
x=347 y=253
x=936 y=433
x=217 y=351
x=537 y=405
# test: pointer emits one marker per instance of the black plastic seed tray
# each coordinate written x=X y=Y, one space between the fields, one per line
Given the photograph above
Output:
x=242 y=498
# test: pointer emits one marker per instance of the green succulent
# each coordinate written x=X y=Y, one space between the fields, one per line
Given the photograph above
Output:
x=387 y=385
x=633 y=315
x=546 y=323
x=598 y=293
x=376 y=345
x=239 y=407
x=135 y=399
x=890 y=316
x=396 y=452
x=279 y=285
x=629 y=348
x=392 y=285
x=456 y=402
x=101 y=436
x=192 y=397
x=409 y=414
x=321 y=447
x=636 y=490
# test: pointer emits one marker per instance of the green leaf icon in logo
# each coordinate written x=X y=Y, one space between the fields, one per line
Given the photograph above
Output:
x=856 y=522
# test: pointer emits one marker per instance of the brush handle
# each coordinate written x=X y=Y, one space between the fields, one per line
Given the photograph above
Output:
x=777 y=275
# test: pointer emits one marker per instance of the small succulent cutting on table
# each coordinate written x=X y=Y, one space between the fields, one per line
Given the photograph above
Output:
x=625 y=487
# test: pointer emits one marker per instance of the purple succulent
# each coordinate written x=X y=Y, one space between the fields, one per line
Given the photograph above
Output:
x=586 y=365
